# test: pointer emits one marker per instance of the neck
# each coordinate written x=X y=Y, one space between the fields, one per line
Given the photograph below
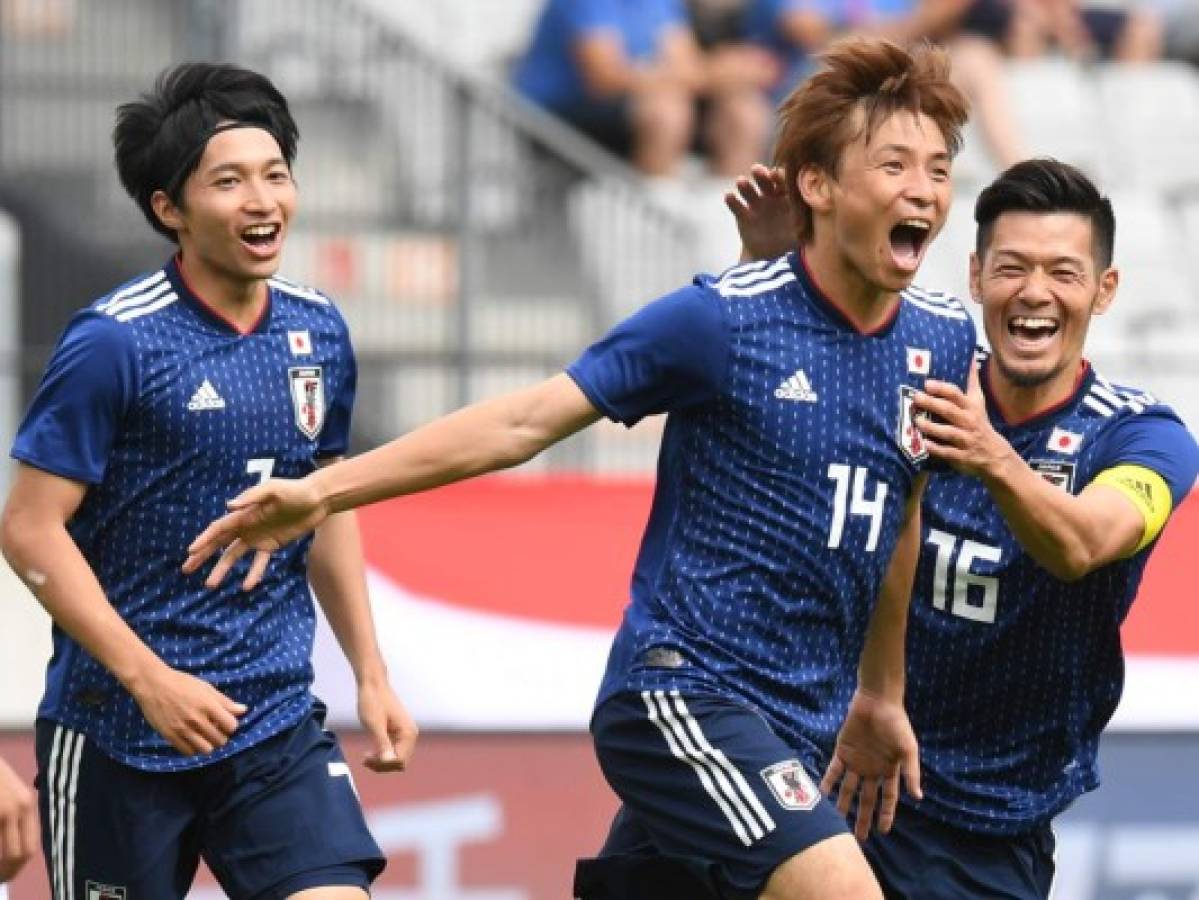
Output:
x=1020 y=402
x=865 y=304
x=238 y=300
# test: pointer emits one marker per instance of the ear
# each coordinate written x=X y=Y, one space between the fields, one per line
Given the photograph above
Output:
x=976 y=277
x=815 y=187
x=1109 y=280
x=168 y=213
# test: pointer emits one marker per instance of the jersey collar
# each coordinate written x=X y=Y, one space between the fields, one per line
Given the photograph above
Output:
x=1082 y=384
x=829 y=307
x=208 y=312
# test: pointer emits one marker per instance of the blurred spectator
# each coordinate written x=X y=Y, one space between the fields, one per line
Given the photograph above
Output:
x=1080 y=29
x=736 y=114
x=629 y=72
x=799 y=29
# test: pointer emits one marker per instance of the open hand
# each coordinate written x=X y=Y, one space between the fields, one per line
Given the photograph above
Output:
x=18 y=823
x=262 y=518
x=759 y=204
x=875 y=747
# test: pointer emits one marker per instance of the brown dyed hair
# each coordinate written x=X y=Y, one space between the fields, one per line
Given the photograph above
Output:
x=818 y=119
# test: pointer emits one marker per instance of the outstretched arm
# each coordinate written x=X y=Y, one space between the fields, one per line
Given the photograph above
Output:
x=876 y=745
x=337 y=572
x=192 y=715
x=494 y=434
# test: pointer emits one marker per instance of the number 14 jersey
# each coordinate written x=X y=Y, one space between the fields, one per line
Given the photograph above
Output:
x=788 y=454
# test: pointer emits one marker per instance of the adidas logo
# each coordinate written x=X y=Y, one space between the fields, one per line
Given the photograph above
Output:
x=797 y=387
x=205 y=397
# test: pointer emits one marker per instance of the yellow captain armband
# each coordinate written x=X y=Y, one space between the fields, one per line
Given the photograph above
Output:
x=1149 y=493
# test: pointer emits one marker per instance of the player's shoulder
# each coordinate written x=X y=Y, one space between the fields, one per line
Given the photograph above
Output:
x=749 y=279
x=1110 y=402
x=934 y=305
x=136 y=301
x=305 y=300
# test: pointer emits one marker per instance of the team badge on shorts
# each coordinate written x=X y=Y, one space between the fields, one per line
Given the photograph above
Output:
x=104 y=891
x=791 y=785
x=910 y=438
x=308 y=398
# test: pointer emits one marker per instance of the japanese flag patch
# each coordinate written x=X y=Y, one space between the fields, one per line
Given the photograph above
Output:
x=919 y=361
x=300 y=343
x=791 y=785
x=1063 y=441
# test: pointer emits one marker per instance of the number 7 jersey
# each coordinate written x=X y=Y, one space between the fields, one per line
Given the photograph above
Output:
x=788 y=454
x=165 y=411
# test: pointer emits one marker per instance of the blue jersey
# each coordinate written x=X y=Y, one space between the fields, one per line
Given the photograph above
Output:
x=165 y=411
x=1013 y=673
x=549 y=73
x=786 y=461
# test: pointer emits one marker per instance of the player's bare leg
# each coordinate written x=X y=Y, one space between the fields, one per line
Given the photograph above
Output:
x=341 y=892
x=834 y=869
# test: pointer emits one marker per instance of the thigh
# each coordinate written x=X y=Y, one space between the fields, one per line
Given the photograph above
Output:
x=109 y=830
x=284 y=816
x=707 y=779
x=924 y=859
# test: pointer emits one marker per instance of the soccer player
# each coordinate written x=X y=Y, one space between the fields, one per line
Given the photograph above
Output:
x=18 y=824
x=177 y=722
x=1032 y=550
x=788 y=485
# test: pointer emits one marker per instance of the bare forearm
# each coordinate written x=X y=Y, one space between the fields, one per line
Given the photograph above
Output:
x=1062 y=532
x=495 y=434
x=881 y=667
x=338 y=576
x=51 y=565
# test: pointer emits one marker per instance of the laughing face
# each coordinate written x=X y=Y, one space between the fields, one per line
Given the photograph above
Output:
x=886 y=202
x=1039 y=285
x=235 y=210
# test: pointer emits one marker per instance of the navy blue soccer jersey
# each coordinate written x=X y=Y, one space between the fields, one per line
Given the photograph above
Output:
x=1013 y=673
x=786 y=461
x=165 y=411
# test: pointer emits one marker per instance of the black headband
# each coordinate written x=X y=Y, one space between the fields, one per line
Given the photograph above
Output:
x=193 y=155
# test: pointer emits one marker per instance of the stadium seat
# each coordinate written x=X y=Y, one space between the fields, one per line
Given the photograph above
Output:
x=1150 y=115
x=1056 y=109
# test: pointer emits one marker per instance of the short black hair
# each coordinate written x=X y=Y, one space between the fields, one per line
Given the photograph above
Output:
x=1047 y=186
x=160 y=137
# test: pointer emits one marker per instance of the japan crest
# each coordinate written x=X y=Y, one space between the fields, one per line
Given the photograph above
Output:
x=910 y=438
x=308 y=399
x=791 y=785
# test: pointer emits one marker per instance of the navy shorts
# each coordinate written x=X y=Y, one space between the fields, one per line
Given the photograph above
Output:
x=706 y=784
x=272 y=820
x=922 y=858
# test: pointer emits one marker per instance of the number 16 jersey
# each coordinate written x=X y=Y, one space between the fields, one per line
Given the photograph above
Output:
x=789 y=452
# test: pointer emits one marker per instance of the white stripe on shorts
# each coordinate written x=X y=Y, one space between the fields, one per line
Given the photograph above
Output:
x=687 y=742
x=63 y=783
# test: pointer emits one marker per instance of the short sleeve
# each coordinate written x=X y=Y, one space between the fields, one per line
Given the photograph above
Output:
x=1157 y=440
x=335 y=435
x=90 y=384
x=586 y=16
x=670 y=355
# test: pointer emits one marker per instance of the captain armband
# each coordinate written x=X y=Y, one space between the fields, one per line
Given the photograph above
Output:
x=1149 y=493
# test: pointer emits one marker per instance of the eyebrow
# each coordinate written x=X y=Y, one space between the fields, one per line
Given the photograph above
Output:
x=908 y=151
x=237 y=166
x=1025 y=258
